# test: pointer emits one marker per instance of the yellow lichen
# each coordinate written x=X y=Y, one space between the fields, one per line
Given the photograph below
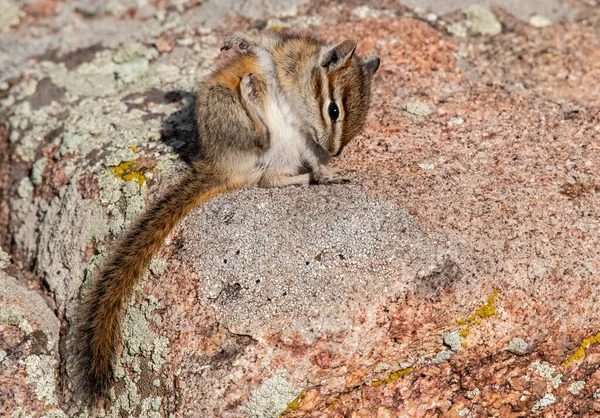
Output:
x=394 y=376
x=292 y=406
x=123 y=171
x=484 y=311
x=133 y=148
x=580 y=353
x=275 y=28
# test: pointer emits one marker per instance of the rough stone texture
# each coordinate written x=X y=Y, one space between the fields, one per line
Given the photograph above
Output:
x=456 y=275
x=29 y=352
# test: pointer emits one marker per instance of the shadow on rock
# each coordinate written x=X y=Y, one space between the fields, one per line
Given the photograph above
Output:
x=179 y=129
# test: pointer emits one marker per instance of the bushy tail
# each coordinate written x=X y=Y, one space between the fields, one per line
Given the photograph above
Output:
x=98 y=330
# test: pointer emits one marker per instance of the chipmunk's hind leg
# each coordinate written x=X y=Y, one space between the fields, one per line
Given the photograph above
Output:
x=281 y=180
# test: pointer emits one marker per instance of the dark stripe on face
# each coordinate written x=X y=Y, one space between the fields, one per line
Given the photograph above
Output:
x=318 y=88
x=346 y=99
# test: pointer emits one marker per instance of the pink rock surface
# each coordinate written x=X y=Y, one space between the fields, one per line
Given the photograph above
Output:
x=456 y=276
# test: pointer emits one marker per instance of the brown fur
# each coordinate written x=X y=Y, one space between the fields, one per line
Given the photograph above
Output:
x=101 y=313
x=230 y=75
x=246 y=139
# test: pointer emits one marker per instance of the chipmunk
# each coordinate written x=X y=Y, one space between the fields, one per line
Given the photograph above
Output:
x=273 y=115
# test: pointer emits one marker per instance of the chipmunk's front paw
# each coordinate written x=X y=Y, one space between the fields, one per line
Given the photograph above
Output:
x=236 y=38
x=253 y=87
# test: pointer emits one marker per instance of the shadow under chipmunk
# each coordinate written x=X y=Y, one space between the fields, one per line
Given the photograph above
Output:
x=179 y=130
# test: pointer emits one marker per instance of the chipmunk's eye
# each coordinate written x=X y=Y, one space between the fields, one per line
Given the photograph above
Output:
x=334 y=111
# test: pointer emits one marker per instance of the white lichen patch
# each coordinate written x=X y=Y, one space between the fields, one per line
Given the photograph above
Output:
x=140 y=340
x=539 y=21
x=417 y=111
x=452 y=340
x=547 y=400
x=473 y=393
x=576 y=387
x=442 y=356
x=456 y=121
x=11 y=14
x=38 y=123
x=547 y=372
x=128 y=70
x=482 y=21
x=37 y=170
x=365 y=12
x=41 y=372
x=10 y=315
x=517 y=346
x=381 y=367
x=150 y=407
x=20 y=413
x=25 y=189
x=4 y=360
x=134 y=198
x=457 y=29
x=137 y=337
x=426 y=166
x=129 y=399
x=159 y=356
x=158 y=266
x=272 y=396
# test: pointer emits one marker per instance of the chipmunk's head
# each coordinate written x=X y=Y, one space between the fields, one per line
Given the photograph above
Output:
x=342 y=88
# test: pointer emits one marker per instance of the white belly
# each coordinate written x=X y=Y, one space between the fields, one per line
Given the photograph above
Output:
x=286 y=153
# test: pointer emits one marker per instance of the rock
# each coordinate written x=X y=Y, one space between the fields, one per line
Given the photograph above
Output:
x=4 y=259
x=320 y=300
x=538 y=21
x=482 y=21
x=11 y=14
x=29 y=332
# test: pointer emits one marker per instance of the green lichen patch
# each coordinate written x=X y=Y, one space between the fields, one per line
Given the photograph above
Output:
x=41 y=372
x=547 y=372
x=272 y=396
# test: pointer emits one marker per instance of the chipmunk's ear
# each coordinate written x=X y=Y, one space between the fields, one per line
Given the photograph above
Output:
x=337 y=56
x=371 y=64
